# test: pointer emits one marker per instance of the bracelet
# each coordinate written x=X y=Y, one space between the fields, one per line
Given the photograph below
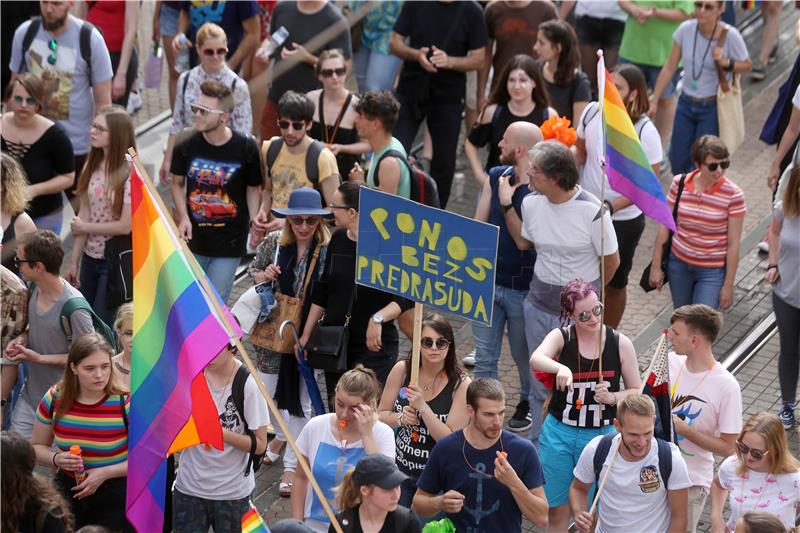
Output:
x=772 y=266
x=54 y=459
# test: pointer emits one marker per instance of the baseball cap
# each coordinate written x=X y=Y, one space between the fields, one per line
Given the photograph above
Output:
x=378 y=469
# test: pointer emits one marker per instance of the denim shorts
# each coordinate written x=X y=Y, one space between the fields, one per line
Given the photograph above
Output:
x=168 y=20
x=651 y=73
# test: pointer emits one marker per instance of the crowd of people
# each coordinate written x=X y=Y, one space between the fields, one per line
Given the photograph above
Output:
x=281 y=113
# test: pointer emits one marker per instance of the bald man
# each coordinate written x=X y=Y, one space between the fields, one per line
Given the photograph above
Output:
x=514 y=268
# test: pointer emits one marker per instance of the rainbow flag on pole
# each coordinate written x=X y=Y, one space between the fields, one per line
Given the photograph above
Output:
x=629 y=173
x=176 y=334
x=252 y=522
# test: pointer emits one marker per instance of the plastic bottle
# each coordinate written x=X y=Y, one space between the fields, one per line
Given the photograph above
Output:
x=277 y=38
x=152 y=76
x=80 y=473
x=182 y=61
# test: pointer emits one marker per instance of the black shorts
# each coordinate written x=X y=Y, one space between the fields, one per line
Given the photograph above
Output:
x=600 y=33
x=628 y=234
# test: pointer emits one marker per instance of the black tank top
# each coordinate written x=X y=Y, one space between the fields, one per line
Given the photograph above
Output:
x=335 y=134
x=492 y=133
x=578 y=407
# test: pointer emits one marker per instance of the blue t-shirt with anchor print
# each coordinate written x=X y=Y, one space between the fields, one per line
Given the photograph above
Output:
x=489 y=505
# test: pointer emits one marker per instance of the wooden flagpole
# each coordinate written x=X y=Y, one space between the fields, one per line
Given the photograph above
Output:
x=416 y=339
x=602 y=239
x=218 y=308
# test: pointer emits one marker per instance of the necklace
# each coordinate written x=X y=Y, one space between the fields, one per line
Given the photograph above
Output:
x=464 y=453
x=579 y=402
x=677 y=380
x=432 y=386
x=224 y=388
x=696 y=75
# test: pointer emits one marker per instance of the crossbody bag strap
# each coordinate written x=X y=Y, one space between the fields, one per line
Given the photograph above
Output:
x=723 y=80
x=350 y=306
x=310 y=269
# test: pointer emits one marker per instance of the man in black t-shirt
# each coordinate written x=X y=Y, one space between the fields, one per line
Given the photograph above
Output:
x=433 y=81
x=216 y=186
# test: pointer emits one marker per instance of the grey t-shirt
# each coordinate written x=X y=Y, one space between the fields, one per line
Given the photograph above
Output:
x=46 y=337
x=787 y=288
x=700 y=76
x=67 y=89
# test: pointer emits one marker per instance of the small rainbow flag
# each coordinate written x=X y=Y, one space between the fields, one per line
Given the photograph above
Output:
x=629 y=173
x=252 y=522
x=176 y=334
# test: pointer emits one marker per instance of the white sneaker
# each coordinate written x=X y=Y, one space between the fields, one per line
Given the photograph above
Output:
x=134 y=102
x=469 y=359
x=763 y=247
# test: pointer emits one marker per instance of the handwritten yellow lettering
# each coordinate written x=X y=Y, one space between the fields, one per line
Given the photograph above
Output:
x=415 y=281
x=408 y=255
x=375 y=275
x=454 y=304
x=480 y=311
x=441 y=289
x=391 y=280
x=457 y=248
x=405 y=223
x=379 y=217
x=453 y=268
x=405 y=282
x=430 y=263
x=466 y=306
x=427 y=294
x=429 y=234
x=363 y=262
x=482 y=265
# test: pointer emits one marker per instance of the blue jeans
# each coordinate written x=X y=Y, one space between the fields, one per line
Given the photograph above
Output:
x=489 y=339
x=694 y=285
x=220 y=272
x=94 y=286
x=692 y=121
x=52 y=221
x=375 y=70
x=538 y=323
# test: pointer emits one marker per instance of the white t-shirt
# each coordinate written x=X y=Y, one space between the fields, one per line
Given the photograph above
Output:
x=330 y=462
x=777 y=494
x=710 y=402
x=592 y=173
x=634 y=498
x=219 y=475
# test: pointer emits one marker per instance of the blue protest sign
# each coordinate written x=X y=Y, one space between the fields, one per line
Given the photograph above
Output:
x=427 y=255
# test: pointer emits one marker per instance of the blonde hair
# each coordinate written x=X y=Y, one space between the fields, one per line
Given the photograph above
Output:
x=209 y=31
x=322 y=234
x=328 y=54
x=637 y=404
x=124 y=314
x=791 y=196
x=13 y=186
x=348 y=493
x=770 y=428
x=362 y=383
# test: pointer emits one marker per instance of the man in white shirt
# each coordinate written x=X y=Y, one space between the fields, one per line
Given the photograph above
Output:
x=647 y=487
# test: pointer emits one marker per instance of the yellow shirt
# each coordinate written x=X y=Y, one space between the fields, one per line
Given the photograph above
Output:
x=289 y=172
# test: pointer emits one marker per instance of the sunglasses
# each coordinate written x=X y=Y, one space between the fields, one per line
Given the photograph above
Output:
x=299 y=221
x=52 y=44
x=98 y=127
x=329 y=72
x=584 y=316
x=337 y=206
x=722 y=164
x=27 y=101
x=18 y=261
x=744 y=449
x=204 y=111
x=441 y=343
x=704 y=6
x=210 y=52
x=296 y=124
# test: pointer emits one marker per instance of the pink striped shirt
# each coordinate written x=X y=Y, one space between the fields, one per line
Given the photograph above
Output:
x=702 y=237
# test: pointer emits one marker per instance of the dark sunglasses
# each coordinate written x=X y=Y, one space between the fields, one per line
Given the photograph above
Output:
x=210 y=52
x=744 y=449
x=299 y=221
x=704 y=6
x=441 y=343
x=31 y=101
x=18 y=261
x=203 y=110
x=722 y=164
x=296 y=124
x=328 y=72
x=584 y=316
x=52 y=44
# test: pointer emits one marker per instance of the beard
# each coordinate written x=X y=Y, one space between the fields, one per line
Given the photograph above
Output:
x=508 y=159
x=53 y=25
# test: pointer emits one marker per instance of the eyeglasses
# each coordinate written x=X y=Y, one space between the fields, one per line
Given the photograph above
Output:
x=210 y=52
x=722 y=164
x=336 y=206
x=296 y=124
x=31 y=101
x=744 y=449
x=584 y=316
x=299 y=221
x=704 y=6
x=441 y=343
x=18 y=261
x=329 y=72
x=52 y=44
x=204 y=111
x=98 y=127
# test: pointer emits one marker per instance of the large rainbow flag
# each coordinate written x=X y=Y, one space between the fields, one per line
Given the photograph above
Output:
x=176 y=334
x=627 y=168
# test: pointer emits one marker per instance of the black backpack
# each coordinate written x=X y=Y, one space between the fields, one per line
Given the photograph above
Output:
x=664 y=457
x=423 y=186
x=255 y=460
x=312 y=158
x=85 y=40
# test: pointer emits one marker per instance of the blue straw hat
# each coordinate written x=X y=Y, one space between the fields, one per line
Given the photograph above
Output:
x=303 y=201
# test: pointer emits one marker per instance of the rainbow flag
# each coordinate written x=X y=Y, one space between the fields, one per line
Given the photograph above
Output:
x=252 y=522
x=629 y=173
x=176 y=334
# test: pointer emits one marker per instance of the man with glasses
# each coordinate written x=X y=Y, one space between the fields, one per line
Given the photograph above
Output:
x=71 y=58
x=216 y=186
x=43 y=348
x=706 y=399
x=294 y=159
x=562 y=223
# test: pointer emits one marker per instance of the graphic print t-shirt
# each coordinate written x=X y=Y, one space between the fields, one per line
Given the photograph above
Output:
x=217 y=178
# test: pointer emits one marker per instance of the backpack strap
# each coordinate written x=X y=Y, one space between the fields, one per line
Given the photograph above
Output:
x=122 y=399
x=664 y=461
x=69 y=307
x=85 y=43
x=273 y=149
x=586 y=117
x=312 y=162
x=601 y=453
x=402 y=518
x=391 y=153
x=27 y=40
x=237 y=392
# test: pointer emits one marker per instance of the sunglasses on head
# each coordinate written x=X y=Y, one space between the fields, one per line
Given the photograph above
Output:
x=584 y=316
x=296 y=124
x=705 y=7
x=428 y=343
x=714 y=166
x=328 y=72
x=744 y=449
x=19 y=100
x=298 y=221
x=203 y=110
x=52 y=45
x=210 y=52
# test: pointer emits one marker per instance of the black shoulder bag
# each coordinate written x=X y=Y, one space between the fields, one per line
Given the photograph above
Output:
x=326 y=348
x=644 y=282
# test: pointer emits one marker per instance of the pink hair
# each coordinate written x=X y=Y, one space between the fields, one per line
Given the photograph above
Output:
x=574 y=291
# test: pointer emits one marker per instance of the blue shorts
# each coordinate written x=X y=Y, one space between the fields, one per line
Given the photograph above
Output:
x=560 y=447
x=651 y=75
x=168 y=20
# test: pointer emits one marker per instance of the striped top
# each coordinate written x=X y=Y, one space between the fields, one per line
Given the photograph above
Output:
x=98 y=429
x=702 y=237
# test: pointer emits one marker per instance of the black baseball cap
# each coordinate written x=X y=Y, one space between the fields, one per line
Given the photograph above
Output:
x=378 y=469
x=290 y=525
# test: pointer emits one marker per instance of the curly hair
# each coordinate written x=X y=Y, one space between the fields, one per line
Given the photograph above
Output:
x=21 y=490
x=13 y=185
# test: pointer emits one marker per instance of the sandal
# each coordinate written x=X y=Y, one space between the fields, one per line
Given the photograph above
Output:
x=285 y=486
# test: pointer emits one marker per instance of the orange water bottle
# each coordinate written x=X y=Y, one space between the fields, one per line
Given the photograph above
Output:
x=80 y=473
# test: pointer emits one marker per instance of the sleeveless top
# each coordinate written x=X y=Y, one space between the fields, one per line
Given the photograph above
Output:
x=492 y=133
x=578 y=407
x=336 y=135
x=413 y=444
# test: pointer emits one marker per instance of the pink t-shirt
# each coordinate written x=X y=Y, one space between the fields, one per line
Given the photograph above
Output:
x=100 y=210
x=710 y=402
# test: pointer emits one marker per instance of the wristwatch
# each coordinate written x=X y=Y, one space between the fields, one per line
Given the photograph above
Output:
x=377 y=318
